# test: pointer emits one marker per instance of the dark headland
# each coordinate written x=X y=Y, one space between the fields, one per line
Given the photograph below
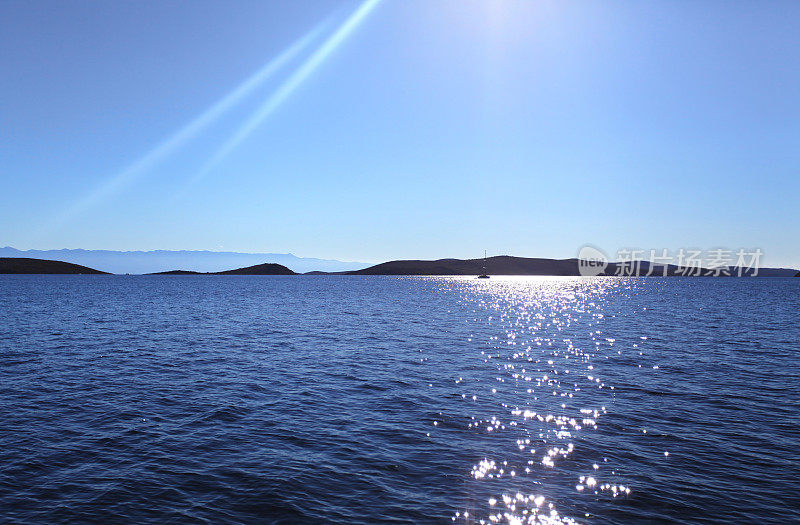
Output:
x=23 y=265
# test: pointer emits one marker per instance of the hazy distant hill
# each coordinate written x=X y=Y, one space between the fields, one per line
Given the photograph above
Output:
x=180 y=272
x=508 y=265
x=164 y=260
x=21 y=265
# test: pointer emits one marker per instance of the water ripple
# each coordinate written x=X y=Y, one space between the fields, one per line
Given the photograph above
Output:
x=417 y=400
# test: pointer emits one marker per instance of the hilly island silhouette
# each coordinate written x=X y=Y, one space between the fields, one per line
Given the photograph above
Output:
x=499 y=265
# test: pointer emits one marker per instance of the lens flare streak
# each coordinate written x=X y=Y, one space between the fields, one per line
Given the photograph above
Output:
x=156 y=155
x=288 y=87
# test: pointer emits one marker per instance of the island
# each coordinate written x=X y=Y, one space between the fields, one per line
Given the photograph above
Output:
x=500 y=265
x=509 y=265
x=258 y=269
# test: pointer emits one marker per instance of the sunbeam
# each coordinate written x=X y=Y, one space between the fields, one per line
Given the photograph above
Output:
x=150 y=159
x=288 y=86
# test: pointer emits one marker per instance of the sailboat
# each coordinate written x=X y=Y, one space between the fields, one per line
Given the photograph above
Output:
x=484 y=275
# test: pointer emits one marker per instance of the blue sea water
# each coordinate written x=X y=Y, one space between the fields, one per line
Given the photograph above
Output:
x=335 y=399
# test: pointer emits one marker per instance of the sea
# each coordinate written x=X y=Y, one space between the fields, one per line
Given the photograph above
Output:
x=357 y=399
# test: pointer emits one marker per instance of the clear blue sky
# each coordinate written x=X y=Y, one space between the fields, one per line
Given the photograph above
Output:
x=425 y=129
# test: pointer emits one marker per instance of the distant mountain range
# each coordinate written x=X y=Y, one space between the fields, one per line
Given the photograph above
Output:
x=501 y=265
x=139 y=262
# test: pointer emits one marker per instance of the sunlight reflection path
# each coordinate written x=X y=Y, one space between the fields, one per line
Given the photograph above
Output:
x=544 y=393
